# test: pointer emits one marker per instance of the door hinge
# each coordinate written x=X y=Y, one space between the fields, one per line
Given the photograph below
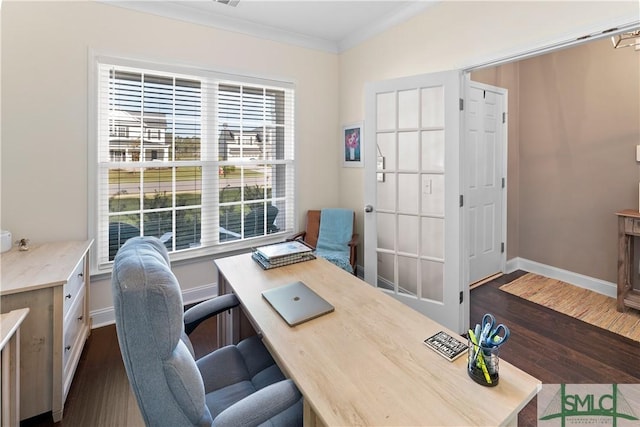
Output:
x=461 y=104
x=502 y=247
x=461 y=297
x=504 y=117
x=461 y=200
x=503 y=180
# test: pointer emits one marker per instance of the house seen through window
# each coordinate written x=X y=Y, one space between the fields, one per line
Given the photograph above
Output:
x=193 y=159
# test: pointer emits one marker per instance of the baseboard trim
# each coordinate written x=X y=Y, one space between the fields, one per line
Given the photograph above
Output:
x=511 y=265
x=600 y=286
x=106 y=316
x=200 y=293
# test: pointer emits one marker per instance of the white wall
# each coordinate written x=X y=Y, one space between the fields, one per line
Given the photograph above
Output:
x=455 y=35
x=45 y=47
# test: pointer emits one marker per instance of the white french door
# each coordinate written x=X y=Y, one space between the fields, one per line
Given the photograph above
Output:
x=412 y=195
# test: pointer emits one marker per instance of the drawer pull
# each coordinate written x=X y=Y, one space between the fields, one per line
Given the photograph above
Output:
x=80 y=274
x=80 y=318
x=68 y=296
x=67 y=348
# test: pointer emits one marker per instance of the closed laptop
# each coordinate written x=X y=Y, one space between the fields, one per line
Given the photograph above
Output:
x=297 y=303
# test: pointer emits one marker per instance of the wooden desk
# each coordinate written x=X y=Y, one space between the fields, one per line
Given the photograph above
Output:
x=628 y=228
x=10 y=373
x=52 y=279
x=365 y=364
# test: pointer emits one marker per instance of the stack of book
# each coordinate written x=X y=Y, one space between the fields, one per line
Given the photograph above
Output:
x=279 y=254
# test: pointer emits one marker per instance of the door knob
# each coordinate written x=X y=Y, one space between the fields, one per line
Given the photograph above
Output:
x=368 y=208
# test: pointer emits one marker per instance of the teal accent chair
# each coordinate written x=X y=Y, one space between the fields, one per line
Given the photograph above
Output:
x=331 y=233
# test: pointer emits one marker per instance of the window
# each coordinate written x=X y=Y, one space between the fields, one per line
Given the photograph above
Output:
x=198 y=159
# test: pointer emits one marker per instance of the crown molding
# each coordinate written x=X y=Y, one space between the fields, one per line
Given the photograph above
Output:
x=175 y=10
x=182 y=12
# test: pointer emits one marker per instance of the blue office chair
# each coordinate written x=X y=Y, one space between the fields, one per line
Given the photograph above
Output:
x=237 y=385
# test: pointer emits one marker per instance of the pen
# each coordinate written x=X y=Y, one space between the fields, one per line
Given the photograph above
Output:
x=477 y=354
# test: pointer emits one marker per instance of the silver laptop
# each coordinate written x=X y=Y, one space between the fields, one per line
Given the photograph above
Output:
x=296 y=303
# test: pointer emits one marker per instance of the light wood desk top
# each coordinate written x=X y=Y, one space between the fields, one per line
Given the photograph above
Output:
x=365 y=363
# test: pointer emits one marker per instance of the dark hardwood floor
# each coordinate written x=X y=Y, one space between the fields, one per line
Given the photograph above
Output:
x=550 y=346
x=553 y=347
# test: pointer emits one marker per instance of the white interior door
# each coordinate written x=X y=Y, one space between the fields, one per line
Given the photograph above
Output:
x=412 y=192
x=485 y=146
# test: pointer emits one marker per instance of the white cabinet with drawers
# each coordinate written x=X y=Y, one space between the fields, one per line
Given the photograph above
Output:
x=52 y=280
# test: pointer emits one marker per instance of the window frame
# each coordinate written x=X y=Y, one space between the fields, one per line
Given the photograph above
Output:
x=94 y=214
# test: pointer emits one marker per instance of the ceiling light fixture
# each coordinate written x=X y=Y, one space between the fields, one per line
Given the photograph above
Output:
x=631 y=38
x=232 y=3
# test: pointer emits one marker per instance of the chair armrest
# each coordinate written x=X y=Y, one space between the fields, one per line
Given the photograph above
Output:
x=297 y=236
x=354 y=240
x=206 y=309
x=260 y=406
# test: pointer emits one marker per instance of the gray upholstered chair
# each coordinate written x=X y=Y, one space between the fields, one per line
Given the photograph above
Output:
x=237 y=385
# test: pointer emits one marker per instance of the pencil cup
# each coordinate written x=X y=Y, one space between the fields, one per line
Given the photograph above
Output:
x=482 y=364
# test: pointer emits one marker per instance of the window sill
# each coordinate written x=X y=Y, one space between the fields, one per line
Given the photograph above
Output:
x=210 y=253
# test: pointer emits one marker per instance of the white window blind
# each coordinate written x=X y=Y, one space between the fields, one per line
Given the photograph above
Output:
x=198 y=159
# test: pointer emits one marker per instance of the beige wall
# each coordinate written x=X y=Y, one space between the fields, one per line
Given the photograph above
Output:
x=578 y=123
x=578 y=131
x=45 y=47
x=457 y=35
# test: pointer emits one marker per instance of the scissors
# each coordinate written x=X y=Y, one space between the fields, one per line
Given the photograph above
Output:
x=490 y=334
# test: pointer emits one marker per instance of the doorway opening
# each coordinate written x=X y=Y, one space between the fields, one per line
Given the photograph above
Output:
x=573 y=111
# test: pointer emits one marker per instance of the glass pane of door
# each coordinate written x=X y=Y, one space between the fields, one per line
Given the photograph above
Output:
x=410 y=191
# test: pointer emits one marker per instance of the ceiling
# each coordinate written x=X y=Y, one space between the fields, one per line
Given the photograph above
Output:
x=328 y=25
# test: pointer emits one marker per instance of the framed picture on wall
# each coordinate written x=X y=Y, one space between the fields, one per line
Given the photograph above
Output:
x=352 y=143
